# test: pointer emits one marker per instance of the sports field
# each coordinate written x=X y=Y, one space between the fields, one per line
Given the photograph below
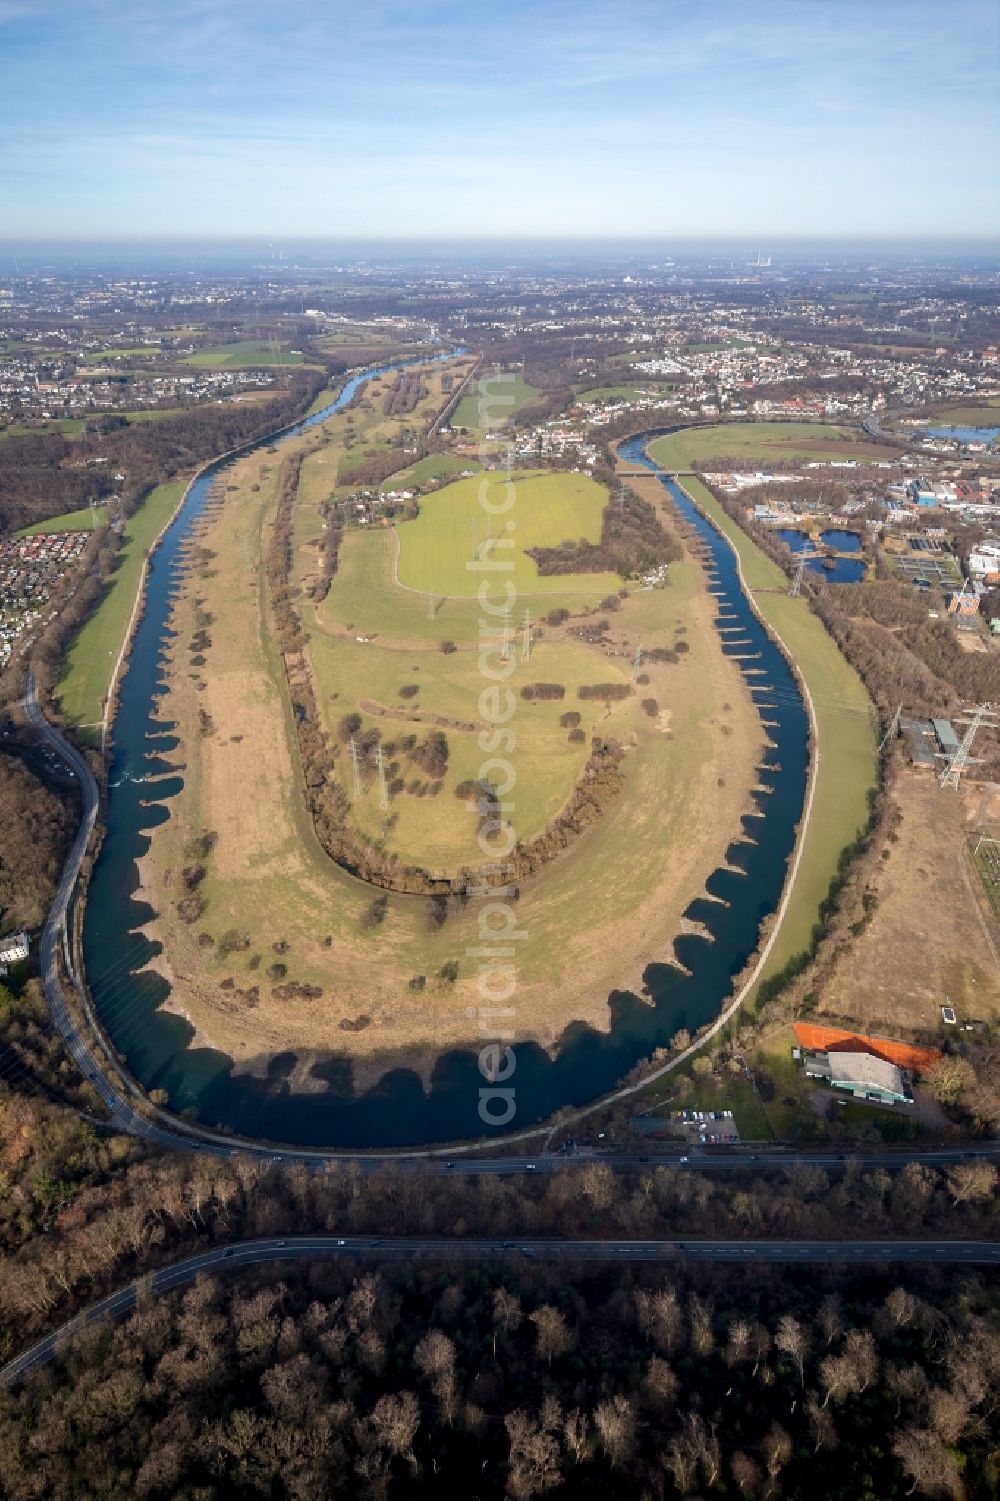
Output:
x=90 y=660
x=760 y=443
x=455 y=526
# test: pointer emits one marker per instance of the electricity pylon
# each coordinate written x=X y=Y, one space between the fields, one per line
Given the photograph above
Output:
x=799 y=575
x=890 y=733
x=526 y=636
x=952 y=774
x=356 y=766
x=383 y=791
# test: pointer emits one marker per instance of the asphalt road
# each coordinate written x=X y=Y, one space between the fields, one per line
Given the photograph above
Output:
x=122 y=1098
x=314 y=1247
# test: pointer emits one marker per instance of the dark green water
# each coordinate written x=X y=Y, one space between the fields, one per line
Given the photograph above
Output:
x=399 y=1111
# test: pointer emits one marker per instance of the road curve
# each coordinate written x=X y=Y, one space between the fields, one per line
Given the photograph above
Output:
x=314 y=1247
x=121 y=1096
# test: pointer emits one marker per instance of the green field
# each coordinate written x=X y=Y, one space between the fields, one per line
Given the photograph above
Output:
x=503 y=400
x=757 y=442
x=243 y=352
x=435 y=549
x=92 y=656
x=845 y=720
x=70 y=521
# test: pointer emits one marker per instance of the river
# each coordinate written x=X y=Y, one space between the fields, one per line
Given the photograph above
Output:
x=398 y=1111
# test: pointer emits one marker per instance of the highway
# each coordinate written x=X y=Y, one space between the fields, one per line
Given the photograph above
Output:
x=617 y=1252
x=130 y=1112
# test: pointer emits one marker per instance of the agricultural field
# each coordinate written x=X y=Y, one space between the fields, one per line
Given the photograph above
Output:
x=760 y=443
x=845 y=722
x=503 y=399
x=91 y=658
x=278 y=912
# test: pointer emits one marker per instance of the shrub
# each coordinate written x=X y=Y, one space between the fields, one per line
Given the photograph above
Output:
x=348 y=726
x=543 y=691
x=556 y=617
x=651 y=707
x=233 y=941
x=409 y=690
x=448 y=647
x=191 y=908
x=577 y=737
x=570 y=719
x=606 y=691
x=277 y=971
x=375 y=912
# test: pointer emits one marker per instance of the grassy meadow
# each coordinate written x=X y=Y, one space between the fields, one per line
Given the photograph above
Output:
x=240 y=354
x=70 y=521
x=503 y=399
x=436 y=548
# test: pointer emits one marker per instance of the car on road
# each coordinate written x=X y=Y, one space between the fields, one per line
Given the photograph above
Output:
x=229 y=1252
x=508 y=1245
x=375 y=1242
x=531 y=1166
x=282 y=1244
x=342 y=1243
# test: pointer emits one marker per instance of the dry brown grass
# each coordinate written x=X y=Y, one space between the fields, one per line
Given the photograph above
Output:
x=928 y=943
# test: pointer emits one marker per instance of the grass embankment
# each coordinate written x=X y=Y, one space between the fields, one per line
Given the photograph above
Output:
x=71 y=521
x=90 y=660
x=760 y=443
x=845 y=729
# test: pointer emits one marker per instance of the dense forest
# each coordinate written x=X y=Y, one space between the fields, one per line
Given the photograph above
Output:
x=37 y=829
x=43 y=475
x=427 y=1379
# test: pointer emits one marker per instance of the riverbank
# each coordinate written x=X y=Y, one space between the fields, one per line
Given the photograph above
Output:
x=847 y=769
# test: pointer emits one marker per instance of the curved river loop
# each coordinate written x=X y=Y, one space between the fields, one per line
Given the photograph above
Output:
x=399 y=1111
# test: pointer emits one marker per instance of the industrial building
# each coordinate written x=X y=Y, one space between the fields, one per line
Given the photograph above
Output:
x=862 y=1075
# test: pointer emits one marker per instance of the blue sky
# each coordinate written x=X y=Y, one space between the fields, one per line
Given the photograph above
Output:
x=534 y=117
